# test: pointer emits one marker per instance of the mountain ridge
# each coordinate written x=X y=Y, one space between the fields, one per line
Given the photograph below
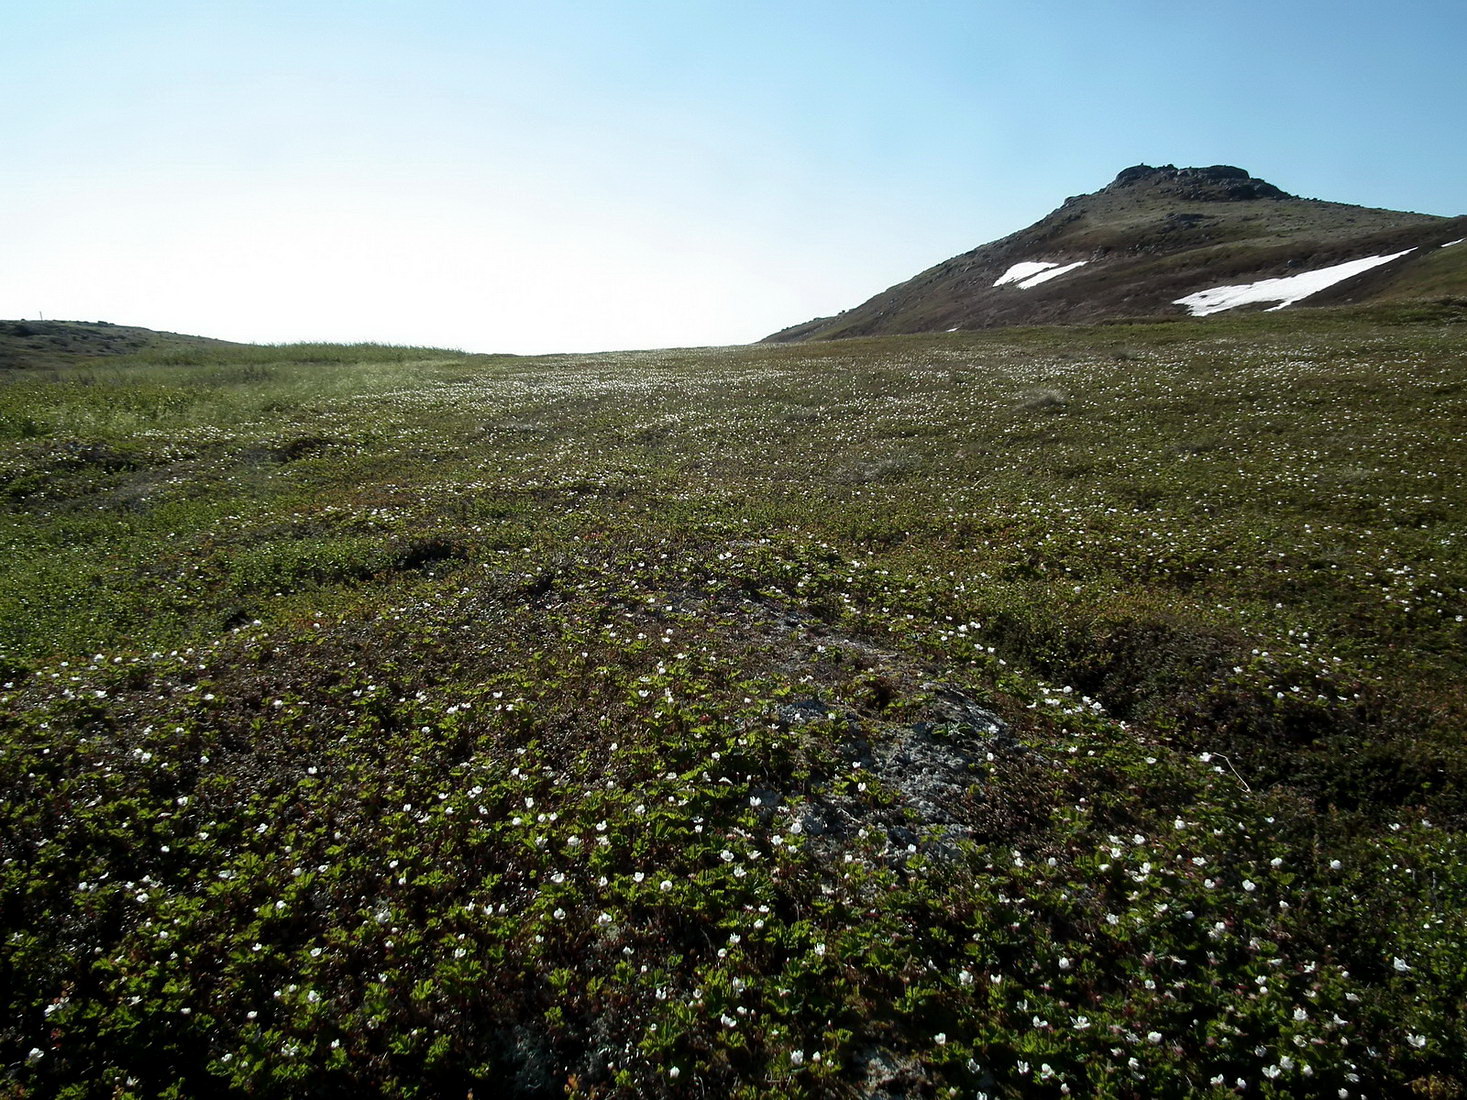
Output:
x=1153 y=236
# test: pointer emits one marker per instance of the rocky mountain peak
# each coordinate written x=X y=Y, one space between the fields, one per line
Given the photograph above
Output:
x=1215 y=183
x=1151 y=241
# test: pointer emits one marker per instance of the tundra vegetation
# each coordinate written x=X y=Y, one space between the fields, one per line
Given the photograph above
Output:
x=1035 y=712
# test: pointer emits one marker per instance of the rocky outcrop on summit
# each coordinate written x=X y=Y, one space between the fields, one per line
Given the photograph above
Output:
x=1154 y=238
x=1219 y=183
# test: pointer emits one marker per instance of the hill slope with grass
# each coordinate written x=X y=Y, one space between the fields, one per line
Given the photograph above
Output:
x=1008 y=713
x=1155 y=236
x=33 y=345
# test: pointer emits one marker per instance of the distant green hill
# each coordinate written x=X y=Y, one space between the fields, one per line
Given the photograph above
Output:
x=30 y=344
x=1154 y=236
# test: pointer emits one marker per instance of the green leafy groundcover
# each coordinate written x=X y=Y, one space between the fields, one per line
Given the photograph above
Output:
x=846 y=722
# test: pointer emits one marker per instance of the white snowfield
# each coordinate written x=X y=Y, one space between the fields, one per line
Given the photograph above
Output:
x=1459 y=240
x=1053 y=273
x=1033 y=272
x=1026 y=270
x=1285 y=291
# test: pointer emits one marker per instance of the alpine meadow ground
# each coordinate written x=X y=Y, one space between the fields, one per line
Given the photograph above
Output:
x=1036 y=712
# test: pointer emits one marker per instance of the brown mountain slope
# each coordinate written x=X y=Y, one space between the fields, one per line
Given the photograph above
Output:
x=1152 y=236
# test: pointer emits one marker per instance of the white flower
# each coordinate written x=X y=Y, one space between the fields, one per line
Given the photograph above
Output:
x=940 y=1038
x=1417 y=1041
x=1249 y=885
x=797 y=1057
x=1400 y=964
x=1153 y=1036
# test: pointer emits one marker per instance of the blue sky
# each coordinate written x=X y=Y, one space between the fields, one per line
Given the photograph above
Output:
x=591 y=174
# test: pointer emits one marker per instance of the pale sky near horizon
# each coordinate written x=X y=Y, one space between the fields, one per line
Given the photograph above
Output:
x=583 y=175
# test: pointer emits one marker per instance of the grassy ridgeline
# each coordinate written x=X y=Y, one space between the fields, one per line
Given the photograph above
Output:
x=995 y=712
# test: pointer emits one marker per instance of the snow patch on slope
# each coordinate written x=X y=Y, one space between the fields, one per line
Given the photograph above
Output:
x=1026 y=270
x=1033 y=272
x=1285 y=291
x=1459 y=240
x=1045 y=276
